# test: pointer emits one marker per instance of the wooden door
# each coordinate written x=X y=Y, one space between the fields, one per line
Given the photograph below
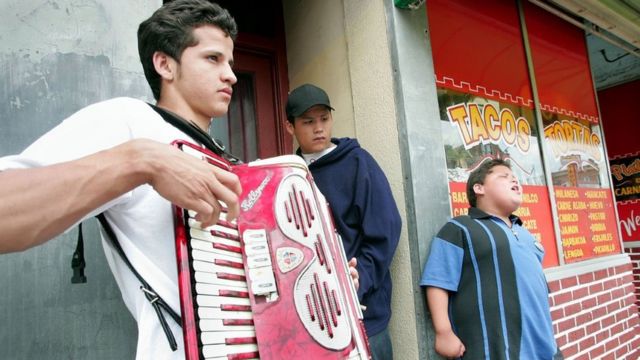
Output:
x=253 y=126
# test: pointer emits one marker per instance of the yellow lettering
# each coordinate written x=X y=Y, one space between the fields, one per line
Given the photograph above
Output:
x=595 y=216
x=594 y=194
x=524 y=131
x=622 y=170
x=493 y=122
x=459 y=197
x=566 y=137
x=530 y=224
x=478 y=130
x=458 y=116
x=564 y=205
x=595 y=140
x=629 y=190
x=604 y=249
x=523 y=211
x=563 y=193
x=573 y=241
x=508 y=122
x=596 y=205
x=482 y=124
x=572 y=254
x=578 y=205
x=571 y=217
x=569 y=229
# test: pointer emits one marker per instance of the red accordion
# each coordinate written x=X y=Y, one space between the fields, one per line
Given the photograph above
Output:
x=275 y=283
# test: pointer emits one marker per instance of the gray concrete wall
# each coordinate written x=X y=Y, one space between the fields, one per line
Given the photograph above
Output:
x=375 y=117
x=422 y=152
x=55 y=58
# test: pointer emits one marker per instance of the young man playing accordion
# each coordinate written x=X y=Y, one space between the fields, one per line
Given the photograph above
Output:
x=121 y=163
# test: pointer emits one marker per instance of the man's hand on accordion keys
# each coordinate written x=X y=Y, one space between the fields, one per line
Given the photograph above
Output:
x=192 y=183
x=354 y=272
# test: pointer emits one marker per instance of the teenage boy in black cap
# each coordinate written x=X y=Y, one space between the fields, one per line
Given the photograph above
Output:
x=360 y=199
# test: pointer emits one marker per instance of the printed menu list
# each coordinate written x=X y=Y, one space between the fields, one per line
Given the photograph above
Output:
x=587 y=223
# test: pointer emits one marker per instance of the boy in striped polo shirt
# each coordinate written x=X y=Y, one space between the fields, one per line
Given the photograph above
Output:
x=485 y=286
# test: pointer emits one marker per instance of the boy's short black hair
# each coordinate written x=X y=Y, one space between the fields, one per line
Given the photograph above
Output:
x=170 y=30
x=478 y=175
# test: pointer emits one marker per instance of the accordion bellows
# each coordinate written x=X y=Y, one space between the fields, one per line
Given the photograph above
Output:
x=274 y=284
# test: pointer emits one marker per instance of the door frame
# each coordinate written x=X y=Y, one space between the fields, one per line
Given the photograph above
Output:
x=275 y=50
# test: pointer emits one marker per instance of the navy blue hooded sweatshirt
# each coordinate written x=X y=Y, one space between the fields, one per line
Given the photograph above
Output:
x=367 y=219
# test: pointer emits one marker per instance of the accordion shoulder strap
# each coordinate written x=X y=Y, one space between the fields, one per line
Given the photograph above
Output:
x=156 y=301
x=197 y=134
x=77 y=261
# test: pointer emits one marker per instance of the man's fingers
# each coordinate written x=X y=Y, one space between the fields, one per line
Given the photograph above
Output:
x=354 y=272
x=229 y=180
x=214 y=186
x=356 y=280
x=192 y=183
x=226 y=188
x=209 y=214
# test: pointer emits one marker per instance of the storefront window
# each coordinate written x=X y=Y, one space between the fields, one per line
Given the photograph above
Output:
x=486 y=106
x=487 y=110
x=475 y=130
x=572 y=142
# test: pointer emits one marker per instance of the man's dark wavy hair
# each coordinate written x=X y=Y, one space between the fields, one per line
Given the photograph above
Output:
x=478 y=175
x=170 y=30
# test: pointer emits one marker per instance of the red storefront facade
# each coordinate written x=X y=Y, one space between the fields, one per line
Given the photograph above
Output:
x=514 y=82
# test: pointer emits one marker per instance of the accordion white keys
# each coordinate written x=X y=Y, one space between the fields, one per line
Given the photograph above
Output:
x=274 y=284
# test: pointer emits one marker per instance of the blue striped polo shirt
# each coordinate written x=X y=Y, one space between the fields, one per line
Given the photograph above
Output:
x=498 y=294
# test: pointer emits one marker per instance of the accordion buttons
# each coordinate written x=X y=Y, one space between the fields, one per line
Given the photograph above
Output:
x=260 y=269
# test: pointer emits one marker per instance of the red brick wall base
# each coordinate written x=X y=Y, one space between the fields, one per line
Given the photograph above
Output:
x=633 y=249
x=594 y=312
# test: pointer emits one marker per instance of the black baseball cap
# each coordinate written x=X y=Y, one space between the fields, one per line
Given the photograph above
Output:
x=303 y=97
